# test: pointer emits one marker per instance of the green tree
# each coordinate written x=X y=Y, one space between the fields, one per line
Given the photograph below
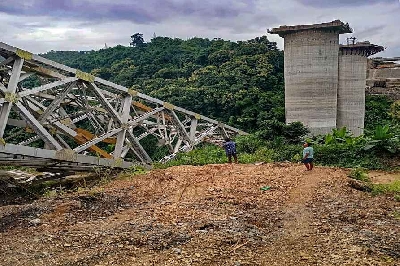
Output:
x=137 y=40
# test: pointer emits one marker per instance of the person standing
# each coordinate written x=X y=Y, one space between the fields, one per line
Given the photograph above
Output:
x=308 y=156
x=230 y=149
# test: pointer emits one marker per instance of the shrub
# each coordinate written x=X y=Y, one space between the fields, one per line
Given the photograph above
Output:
x=359 y=174
x=264 y=154
x=341 y=150
x=391 y=188
x=383 y=139
x=286 y=152
x=292 y=133
x=208 y=154
x=249 y=143
x=345 y=155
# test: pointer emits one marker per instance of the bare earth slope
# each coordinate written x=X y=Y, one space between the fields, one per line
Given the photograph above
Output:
x=208 y=215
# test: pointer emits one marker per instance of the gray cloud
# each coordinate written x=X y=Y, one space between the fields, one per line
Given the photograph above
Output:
x=342 y=3
x=42 y=25
x=367 y=32
x=141 y=12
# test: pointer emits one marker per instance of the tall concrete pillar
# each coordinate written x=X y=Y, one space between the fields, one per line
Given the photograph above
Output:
x=311 y=73
x=352 y=83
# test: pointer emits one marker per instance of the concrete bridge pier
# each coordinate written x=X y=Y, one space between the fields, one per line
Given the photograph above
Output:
x=352 y=83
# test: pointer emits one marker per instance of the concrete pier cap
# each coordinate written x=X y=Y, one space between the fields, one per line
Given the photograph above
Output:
x=361 y=48
x=337 y=25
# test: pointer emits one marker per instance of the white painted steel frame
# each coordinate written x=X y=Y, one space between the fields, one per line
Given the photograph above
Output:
x=108 y=107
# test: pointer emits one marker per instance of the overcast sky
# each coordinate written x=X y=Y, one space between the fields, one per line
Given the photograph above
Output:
x=43 y=25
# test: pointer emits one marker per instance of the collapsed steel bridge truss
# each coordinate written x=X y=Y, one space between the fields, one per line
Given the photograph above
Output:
x=57 y=117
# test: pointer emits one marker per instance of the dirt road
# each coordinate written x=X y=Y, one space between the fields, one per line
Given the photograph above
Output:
x=209 y=215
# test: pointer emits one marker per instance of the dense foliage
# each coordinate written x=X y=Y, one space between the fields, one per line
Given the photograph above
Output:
x=370 y=152
x=238 y=83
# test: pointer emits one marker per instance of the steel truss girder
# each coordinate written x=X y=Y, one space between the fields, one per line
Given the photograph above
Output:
x=69 y=99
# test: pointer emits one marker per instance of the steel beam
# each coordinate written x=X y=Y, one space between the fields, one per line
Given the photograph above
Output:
x=24 y=76
x=11 y=89
x=138 y=149
x=180 y=127
x=125 y=114
x=7 y=60
x=104 y=101
x=134 y=122
x=37 y=127
x=17 y=123
x=193 y=127
x=47 y=87
x=97 y=140
x=53 y=106
x=62 y=155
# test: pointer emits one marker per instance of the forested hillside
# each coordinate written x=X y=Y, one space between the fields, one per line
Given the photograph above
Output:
x=239 y=83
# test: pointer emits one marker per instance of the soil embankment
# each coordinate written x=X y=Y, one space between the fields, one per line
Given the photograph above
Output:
x=208 y=215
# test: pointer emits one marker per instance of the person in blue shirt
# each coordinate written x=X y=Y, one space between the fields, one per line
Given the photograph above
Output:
x=308 y=156
x=230 y=149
